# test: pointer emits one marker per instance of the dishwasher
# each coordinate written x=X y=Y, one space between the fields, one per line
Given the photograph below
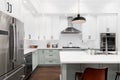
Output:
x=28 y=64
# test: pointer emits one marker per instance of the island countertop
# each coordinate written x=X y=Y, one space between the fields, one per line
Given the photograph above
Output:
x=71 y=57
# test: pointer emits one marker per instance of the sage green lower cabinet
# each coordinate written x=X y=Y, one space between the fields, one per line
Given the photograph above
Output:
x=84 y=66
x=41 y=57
x=34 y=59
x=48 y=57
x=112 y=69
x=72 y=68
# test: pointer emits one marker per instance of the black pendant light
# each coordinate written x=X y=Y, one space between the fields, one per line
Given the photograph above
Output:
x=79 y=19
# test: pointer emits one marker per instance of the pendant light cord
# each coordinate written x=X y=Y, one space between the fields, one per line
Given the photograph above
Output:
x=78 y=5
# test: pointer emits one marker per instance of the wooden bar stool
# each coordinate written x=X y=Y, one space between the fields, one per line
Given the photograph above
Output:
x=117 y=75
x=92 y=74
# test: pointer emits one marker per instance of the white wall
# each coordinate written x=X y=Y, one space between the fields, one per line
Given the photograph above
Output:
x=65 y=39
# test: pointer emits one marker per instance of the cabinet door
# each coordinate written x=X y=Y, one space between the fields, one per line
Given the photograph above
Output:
x=84 y=66
x=112 y=69
x=111 y=23
x=12 y=7
x=52 y=57
x=2 y=5
x=55 y=27
x=37 y=28
x=89 y=29
x=50 y=26
x=41 y=58
x=102 y=23
x=51 y=51
x=34 y=59
x=29 y=26
x=107 y=23
x=42 y=27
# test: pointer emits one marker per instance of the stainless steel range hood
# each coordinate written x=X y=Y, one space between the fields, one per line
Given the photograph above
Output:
x=70 y=29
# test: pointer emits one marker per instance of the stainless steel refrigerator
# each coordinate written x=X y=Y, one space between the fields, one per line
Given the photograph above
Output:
x=11 y=48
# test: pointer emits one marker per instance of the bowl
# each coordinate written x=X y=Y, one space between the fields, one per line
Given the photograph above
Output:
x=33 y=46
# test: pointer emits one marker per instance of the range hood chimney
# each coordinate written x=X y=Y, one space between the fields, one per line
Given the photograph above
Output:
x=70 y=29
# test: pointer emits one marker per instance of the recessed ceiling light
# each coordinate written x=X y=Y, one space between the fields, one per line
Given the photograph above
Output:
x=24 y=1
x=33 y=11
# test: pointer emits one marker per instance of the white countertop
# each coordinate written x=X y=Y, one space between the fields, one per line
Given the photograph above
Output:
x=28 y=50
x=68 y=57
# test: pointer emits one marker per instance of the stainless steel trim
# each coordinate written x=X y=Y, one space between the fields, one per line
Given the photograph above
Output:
x=71 y=30
x=24 y=60
x=22 y=77
x=17 y=38
x=13 y=73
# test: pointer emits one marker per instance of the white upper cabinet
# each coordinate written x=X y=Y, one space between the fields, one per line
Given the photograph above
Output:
x=2 y=5
x=30 y=27
x=41 y=28
x=89 y=29
x=48 y=27
x=107 y=23
x=55 y=28
x=44 y=27
x=13 y=8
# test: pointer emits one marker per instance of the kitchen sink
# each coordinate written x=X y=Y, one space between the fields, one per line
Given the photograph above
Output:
x=104 y=53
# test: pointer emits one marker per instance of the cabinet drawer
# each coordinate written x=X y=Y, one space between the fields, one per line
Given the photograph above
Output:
x=52 y=61
x=51 y=51
x=54 y=56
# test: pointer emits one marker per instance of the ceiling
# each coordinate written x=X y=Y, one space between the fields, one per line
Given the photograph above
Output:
x=71 y=6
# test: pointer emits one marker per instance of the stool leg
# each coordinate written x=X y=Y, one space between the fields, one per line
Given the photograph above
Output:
x=75 y=76
x=116 y=77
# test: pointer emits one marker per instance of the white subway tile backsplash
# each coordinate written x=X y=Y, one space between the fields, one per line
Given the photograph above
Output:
x=40 y=43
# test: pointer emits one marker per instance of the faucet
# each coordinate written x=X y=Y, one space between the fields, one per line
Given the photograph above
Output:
x=70 y=44
x=106 y=46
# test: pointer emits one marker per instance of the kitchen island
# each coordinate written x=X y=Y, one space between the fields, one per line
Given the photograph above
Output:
x=82 y=57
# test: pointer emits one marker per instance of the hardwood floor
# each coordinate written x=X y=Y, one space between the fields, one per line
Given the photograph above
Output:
x=46 y=73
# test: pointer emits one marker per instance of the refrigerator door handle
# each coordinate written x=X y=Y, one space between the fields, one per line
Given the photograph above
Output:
x=14 y=34
x=11 y=43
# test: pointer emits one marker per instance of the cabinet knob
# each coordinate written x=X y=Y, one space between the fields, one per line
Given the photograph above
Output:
x=50 y=50
x=50 y=55
x=50 y=61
